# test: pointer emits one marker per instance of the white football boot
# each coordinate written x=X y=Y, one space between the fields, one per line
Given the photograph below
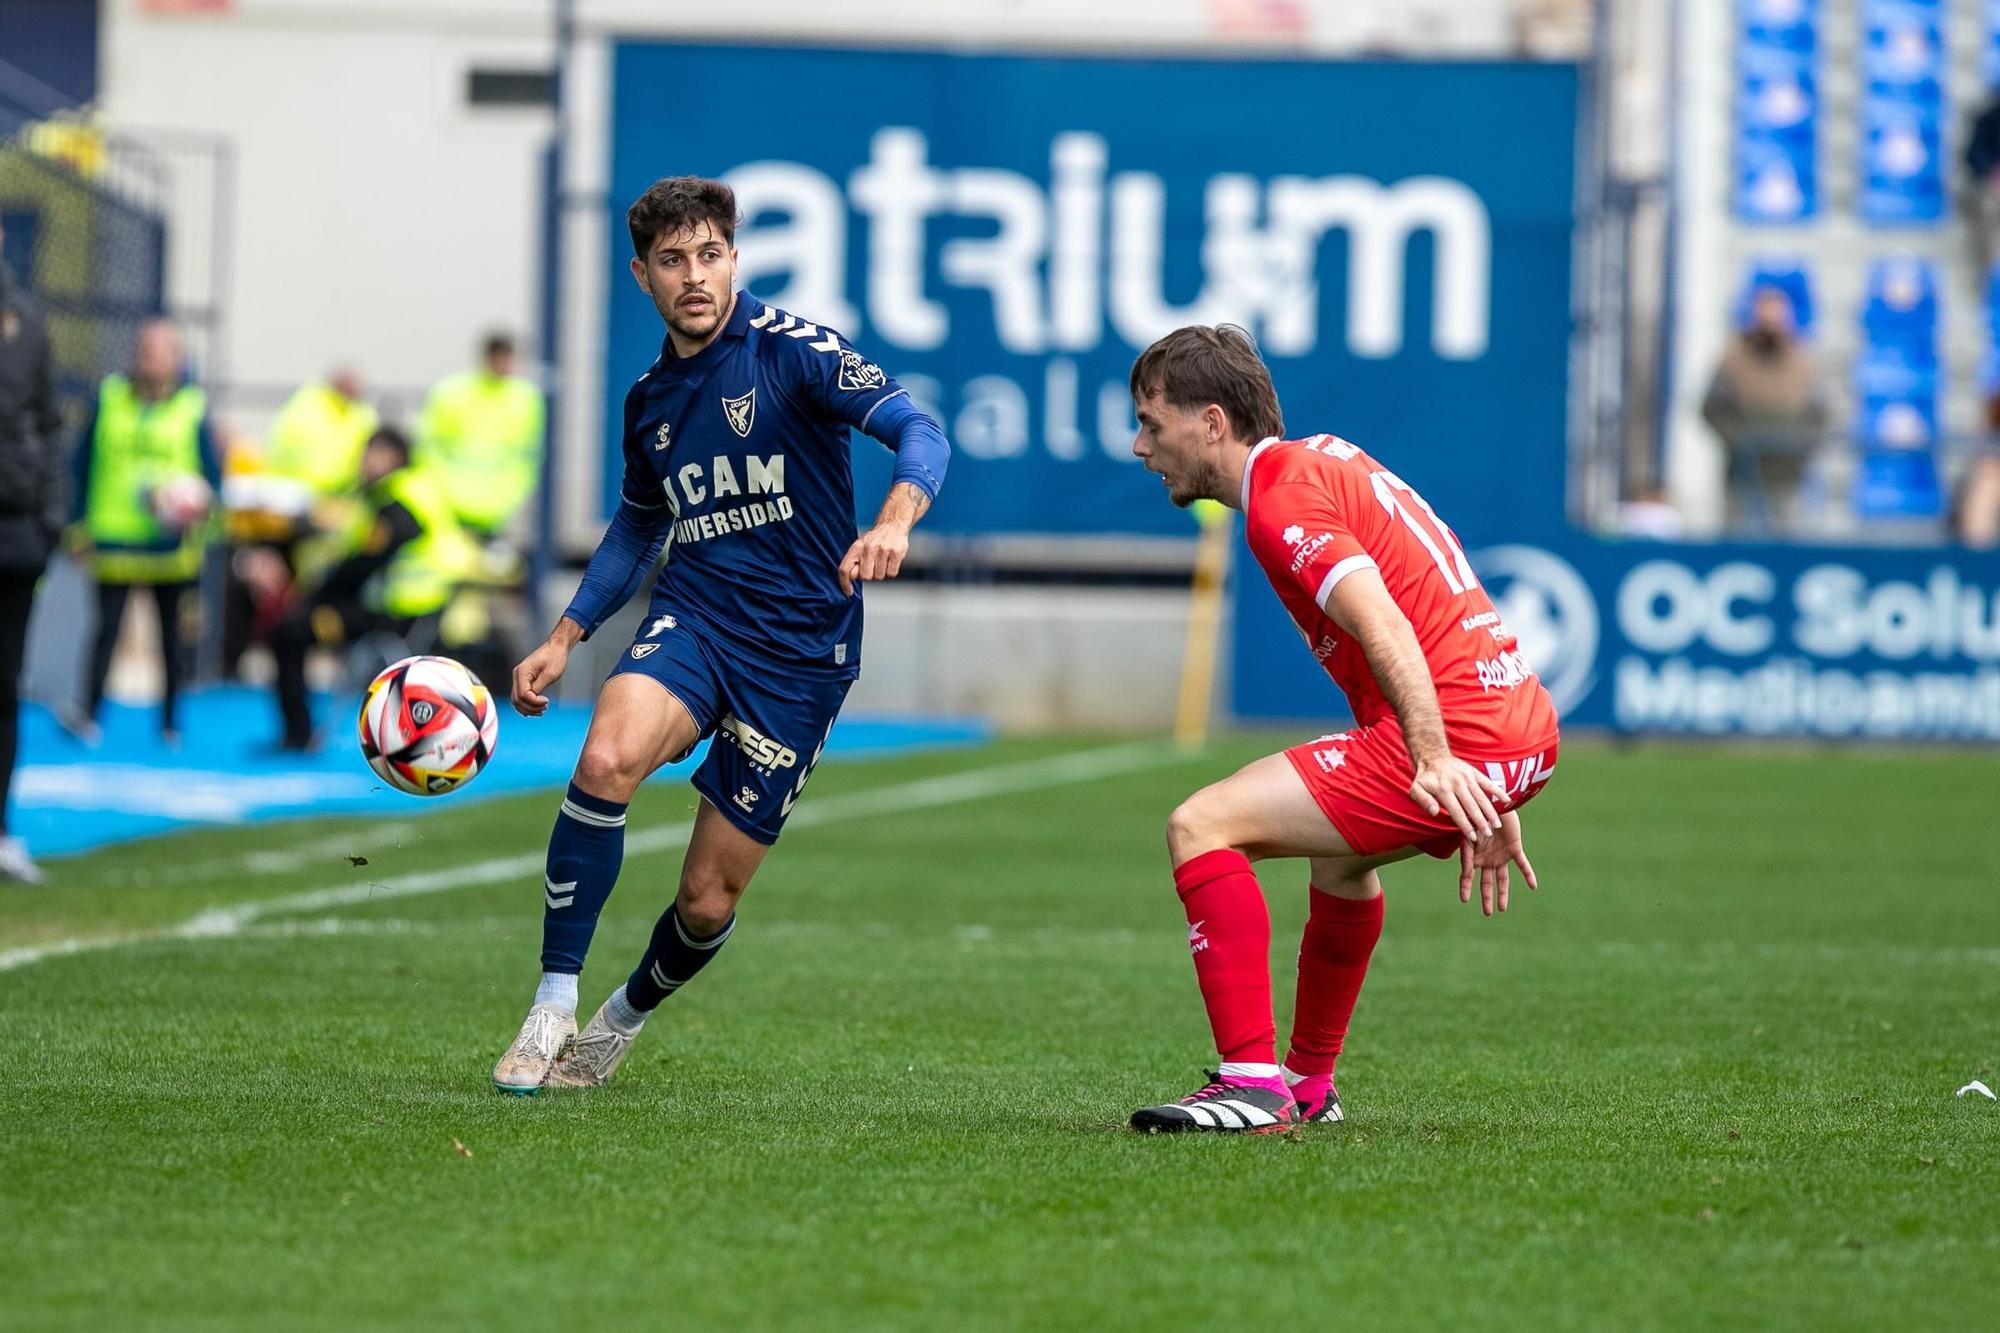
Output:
x=548 y=1031
x=590 y=1060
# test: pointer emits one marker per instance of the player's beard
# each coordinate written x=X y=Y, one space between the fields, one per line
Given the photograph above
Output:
x=697 y=327
x=1200 y=480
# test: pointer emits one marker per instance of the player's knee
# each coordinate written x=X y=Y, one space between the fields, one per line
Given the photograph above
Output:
x=1345 y=879
x=609 y=769
x=1195 y=826
x=706 y=900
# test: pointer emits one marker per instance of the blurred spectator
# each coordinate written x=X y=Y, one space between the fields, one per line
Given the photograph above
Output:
x=481 y=431
x=145 y=472
x=1766 y=403
x=1979 y=196
x=1650 y=516
x=307 y=482
x=1975 y=509
x=33 y=505
x=404 y=566
x=319 y=433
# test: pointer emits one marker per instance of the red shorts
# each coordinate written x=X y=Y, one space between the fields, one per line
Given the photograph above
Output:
x=1362 y=778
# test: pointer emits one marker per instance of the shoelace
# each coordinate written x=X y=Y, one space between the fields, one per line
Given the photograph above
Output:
x=1216 y=1088
x=609 y=1039
x=543 y=1038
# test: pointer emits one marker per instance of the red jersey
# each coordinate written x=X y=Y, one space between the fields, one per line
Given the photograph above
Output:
x=1318 y=510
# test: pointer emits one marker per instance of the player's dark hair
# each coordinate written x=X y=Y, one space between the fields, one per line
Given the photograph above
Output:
x=495 y=343
x=1199 y=365
x=675 y=205
x=388 y=437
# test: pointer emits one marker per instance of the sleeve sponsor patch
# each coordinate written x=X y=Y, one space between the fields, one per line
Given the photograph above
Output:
x=858 y=376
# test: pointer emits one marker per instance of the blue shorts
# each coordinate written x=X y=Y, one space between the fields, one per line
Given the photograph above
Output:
x=770 y=719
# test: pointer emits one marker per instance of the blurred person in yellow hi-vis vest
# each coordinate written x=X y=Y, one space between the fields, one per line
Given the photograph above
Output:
x=281 y=499
x=146 y=471
x=406 y=558
x=481 y=433
x=319 y=433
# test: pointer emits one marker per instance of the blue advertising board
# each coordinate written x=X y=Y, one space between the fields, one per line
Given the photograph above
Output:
x=1005 y=233
x=1723 y=640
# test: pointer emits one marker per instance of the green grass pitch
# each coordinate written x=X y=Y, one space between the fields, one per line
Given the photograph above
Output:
x=1703 y=1079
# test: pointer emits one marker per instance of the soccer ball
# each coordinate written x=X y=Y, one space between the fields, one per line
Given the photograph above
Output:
x=428 y=726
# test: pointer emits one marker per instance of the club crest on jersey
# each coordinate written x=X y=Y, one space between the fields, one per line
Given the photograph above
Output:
x=640 y=650
x=741 y=412
x=660 y=440
x=856 y=374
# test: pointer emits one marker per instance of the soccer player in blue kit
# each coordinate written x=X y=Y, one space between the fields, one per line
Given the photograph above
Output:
x=736 y=463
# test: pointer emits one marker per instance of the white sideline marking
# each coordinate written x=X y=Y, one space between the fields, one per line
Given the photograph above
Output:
x=335 y=925
x=951 y=789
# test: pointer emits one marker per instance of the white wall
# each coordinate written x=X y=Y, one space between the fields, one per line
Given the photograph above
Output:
x=375 y=215
x=1024 y=659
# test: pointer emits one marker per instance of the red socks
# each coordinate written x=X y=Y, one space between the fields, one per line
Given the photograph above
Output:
x=1229 y=934
x=1333 y=958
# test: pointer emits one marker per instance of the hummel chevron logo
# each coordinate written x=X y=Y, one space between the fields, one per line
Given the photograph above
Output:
x=794 y=327
x=556 y=895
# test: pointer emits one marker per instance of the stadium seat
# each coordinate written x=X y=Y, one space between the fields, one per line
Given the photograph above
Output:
x=1902 y=58
x=1902 y=45
x=1777 y=99
x=1902 y=162
x=1990 y=24
x=1901 y=310
x=1898 y=387
x=1774 y=183
x=1898 y=484
x=1777 y=111
x=1786 y=25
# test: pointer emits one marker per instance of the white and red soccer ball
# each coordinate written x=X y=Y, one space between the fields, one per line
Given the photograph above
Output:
x=428 y=726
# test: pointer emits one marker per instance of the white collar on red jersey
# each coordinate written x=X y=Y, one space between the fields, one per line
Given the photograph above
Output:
x=1249 y=462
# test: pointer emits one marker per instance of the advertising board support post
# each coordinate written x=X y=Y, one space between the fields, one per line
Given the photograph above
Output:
x=541 y=559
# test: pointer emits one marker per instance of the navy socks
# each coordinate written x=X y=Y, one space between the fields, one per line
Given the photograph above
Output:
x=671 y=960
x=584 y=855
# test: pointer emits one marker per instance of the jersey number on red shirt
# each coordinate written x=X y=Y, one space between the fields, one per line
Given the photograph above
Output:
x=1430 y=529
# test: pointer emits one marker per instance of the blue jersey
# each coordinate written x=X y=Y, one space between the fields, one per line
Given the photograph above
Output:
x=742 y=450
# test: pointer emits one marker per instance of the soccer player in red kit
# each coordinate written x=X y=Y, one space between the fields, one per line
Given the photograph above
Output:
x=1452 y=731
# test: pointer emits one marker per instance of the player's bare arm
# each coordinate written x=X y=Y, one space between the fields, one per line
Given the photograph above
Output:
x=1361 y=605
x=878 y=553
x=543 y=667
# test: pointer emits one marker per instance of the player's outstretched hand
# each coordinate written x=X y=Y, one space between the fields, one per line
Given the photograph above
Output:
x=876 y=554
x=1462 y=793
x=1487 y=861
x=538 y=670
